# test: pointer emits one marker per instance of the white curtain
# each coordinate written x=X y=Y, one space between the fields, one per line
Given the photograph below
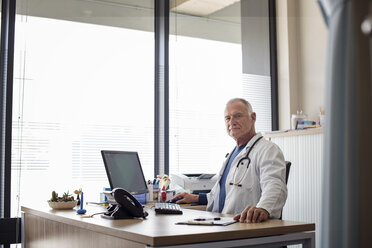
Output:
x=346 y=206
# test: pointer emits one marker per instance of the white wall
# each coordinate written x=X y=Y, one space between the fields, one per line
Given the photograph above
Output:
x=302 y=43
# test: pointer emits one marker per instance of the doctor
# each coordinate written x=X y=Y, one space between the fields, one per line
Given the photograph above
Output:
x=251 y=183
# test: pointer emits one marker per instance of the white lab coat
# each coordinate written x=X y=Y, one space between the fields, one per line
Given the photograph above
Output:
x=263 y=183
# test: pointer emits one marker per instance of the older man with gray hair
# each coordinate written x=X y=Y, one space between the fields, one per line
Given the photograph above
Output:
x=251 y=183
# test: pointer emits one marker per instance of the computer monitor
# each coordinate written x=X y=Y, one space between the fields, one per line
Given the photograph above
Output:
x=124 y=171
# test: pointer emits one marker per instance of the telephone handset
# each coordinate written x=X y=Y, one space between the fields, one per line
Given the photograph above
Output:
x=123 y=205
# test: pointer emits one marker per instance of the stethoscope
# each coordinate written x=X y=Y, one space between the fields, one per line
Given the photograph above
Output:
x=238 y=184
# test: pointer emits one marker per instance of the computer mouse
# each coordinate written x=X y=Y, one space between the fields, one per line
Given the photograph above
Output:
x=175 y=200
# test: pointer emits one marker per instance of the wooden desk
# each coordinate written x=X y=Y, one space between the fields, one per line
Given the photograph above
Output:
x=44 y=227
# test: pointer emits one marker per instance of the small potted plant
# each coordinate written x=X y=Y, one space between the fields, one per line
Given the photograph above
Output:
x=67 y=201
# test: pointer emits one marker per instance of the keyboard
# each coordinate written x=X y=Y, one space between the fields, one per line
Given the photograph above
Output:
x=167 y=208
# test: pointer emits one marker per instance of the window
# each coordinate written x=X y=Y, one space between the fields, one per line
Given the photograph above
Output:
x=83 y=82
x=216 y=53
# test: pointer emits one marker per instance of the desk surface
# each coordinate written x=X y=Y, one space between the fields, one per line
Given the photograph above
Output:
x=158 y=230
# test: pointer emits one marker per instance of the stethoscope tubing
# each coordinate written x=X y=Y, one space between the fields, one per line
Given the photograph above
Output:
x=246 y=157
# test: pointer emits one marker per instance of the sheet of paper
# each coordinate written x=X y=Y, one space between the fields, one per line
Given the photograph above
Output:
x=222 y=221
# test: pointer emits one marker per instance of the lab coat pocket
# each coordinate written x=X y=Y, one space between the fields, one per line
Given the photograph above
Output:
x=238 y=197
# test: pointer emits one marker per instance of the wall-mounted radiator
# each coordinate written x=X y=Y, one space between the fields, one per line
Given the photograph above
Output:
x=305 y=178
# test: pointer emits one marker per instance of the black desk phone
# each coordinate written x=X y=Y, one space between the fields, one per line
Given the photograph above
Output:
x=123 y=205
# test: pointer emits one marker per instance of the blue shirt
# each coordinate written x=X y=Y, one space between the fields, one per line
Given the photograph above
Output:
x=203 y=196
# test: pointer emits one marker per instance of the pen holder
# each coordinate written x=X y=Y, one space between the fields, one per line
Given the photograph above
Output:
x=150 y=195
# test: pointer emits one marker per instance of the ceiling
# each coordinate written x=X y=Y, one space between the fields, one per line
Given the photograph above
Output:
x=199 y=7
x=189 y=7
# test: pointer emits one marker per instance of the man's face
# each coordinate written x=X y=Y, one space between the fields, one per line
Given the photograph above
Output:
x=239 y=124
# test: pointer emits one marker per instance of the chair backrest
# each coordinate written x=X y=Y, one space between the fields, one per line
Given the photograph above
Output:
x=10 y=231
x=287 y=169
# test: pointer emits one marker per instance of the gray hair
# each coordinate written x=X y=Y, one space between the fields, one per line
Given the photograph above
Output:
x=245 y=102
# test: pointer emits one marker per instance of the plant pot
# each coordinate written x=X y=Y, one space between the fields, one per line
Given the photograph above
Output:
x=62 y=205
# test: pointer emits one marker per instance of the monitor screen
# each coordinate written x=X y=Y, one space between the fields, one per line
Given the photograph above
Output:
x=124 y=171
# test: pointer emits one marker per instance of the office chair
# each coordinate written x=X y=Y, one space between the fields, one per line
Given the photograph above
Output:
x=10 y=231
x=287 y=169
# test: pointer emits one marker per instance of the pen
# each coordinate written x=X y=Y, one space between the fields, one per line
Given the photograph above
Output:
x=203 y=219
x=208 y=223
x=96 y=203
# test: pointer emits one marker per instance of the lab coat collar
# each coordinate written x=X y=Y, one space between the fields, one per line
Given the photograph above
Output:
x=252 y=140
x=246 y=148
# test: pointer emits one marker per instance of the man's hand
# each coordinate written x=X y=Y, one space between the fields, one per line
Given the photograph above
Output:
x=185 y=198
x=252 y=215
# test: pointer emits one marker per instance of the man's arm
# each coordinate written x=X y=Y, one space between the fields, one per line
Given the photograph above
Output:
x=272 y=174
x=271 y=171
